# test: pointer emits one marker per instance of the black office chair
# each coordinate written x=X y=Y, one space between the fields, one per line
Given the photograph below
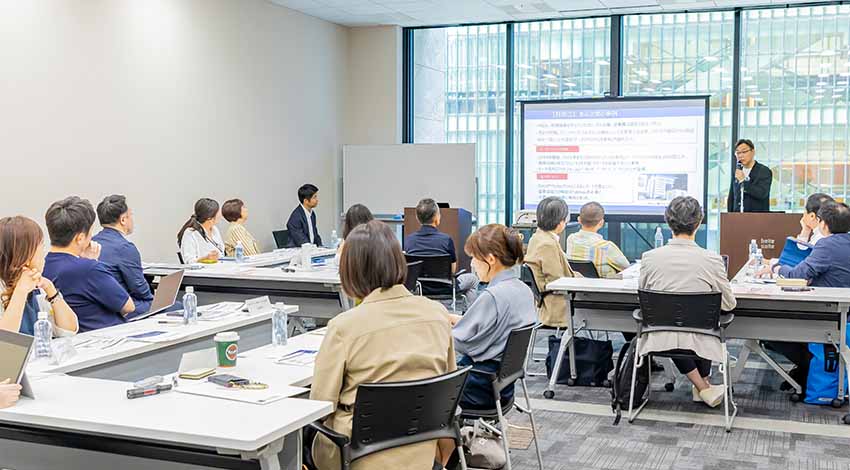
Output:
x=511 y=370
x=390 y=415
x=539 y=297
x=436 y=279
x=281 y=238
x=414 y=270
x=180 y=257
x=682 y=313
x=585 y=268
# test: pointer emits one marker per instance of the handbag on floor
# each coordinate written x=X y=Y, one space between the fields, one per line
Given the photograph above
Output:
x=821 y=386
x=594 y=360
x=482 y=448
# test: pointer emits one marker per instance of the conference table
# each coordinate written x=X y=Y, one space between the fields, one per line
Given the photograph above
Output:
x=78 y=422
x=764 y=312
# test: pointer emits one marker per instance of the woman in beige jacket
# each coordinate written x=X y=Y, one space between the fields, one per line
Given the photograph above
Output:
x=546 y=259
x=391 y=336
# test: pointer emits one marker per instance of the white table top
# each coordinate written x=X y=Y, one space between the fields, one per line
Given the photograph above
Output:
x=742 y=290
x=90 y=357
x=319 y=274
x=101 y=407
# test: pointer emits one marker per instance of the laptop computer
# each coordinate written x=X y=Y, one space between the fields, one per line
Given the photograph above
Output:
x=165 y=295
x=15 y=350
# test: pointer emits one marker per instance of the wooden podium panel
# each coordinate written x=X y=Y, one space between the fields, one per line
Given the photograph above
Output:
x=456 y=223
x=768 y=229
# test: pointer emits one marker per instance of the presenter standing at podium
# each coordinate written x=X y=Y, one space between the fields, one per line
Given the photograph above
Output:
x=751 y=180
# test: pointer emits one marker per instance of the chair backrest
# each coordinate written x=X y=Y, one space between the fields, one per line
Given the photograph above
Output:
x=696 y=311
x=527 y=273
x=414 y=270
x=514 y=357
x=433 y=267
x=180 y=257
x=281 y=238
x=585 y=268
x=389 y=415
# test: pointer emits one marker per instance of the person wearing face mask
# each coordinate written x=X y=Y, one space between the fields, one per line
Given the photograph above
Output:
x=481 y=334
x=199 y=239
x=72 y=264
x=755 y=178
x=118 y=253
x=21 y=265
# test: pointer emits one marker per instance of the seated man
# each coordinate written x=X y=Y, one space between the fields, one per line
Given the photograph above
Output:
x=302 y=221
x=88 y=287
x=827 y=266
x=430 y=241
x=683 y=266
x=120 y=255
x=588 y=245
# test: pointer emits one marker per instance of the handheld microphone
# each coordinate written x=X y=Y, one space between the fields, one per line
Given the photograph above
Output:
x=739 y=165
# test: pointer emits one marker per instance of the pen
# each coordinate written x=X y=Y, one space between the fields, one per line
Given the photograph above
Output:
x=146 y=392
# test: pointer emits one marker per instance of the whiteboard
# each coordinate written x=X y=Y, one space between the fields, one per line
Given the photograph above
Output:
x=388 y=178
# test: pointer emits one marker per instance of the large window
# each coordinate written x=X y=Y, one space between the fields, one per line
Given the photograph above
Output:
x=795 y=65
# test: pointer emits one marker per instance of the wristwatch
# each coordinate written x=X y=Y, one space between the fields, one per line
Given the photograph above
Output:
x=56 y=296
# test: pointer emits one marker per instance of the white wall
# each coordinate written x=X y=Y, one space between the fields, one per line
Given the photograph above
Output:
x=167 y=101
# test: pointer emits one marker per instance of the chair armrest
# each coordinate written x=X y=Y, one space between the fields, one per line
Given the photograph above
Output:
x=726 y=319
x=462 y=271
x=637 y=315
x=339 y=440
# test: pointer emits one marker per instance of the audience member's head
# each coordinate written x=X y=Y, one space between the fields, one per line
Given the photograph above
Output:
x=552 y=214
x=206 y=212
x=234 y=210
x=813 y=205
x=428 y=212
x=371 y=259
x=834 y=217
x=69 y=223
x=493 y=248
x=308 y=196
x=683 y=215
x=113 y=212
x=355 y=216
x=592 y=216
x=20 y=249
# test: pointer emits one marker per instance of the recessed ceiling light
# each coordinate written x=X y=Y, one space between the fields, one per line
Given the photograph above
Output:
x=569 y=84
x=549 y=75
x=642 y=73
x=530 y=77
x=552 y=85
x=656 y=82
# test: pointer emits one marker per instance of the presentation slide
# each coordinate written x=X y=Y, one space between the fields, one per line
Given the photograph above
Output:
x=631 y=156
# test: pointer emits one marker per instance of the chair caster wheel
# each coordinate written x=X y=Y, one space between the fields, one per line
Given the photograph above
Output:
x=571 y=382
x=549 y=394
x=836 y=403
x=795 y=398
x=846 y=419
x=669 y=387
x=606 y=383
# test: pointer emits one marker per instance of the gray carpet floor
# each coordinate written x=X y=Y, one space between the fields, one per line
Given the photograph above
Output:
x=771 y=432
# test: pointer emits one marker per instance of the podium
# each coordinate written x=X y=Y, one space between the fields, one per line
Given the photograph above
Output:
x=768 y=229
x=456 y=223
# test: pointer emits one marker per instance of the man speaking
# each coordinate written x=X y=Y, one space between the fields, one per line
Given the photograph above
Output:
x=752 y=180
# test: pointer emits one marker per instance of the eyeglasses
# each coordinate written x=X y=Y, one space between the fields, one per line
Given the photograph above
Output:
x=741 y=152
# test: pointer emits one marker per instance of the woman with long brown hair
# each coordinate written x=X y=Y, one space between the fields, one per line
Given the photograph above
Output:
x=199 y=239
x=21 y=263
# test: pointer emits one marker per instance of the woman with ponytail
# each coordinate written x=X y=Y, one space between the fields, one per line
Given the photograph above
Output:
x=21 y=264
x=199 y=239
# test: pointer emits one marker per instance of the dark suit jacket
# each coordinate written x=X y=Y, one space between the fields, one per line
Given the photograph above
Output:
x=756 y=191
x=298 y=228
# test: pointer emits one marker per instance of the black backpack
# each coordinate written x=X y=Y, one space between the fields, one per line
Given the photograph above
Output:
x=622 y=387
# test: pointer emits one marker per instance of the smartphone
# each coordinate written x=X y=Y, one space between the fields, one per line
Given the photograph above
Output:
x=227 y=380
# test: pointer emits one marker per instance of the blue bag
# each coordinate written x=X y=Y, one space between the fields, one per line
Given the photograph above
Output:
x=792 y=254
x=822 y=382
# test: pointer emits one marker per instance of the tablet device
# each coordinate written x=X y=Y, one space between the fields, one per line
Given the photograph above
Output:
x=15 y=351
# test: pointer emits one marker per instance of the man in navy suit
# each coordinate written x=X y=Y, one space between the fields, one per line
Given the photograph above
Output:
x=302 y=222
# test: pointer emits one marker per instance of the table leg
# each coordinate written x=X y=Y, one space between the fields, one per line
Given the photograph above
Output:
x=571 y=331
x=743 y=356
x=842 y=346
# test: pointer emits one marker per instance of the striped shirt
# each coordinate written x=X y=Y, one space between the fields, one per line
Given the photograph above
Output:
x=590 y=246
x=237 y=232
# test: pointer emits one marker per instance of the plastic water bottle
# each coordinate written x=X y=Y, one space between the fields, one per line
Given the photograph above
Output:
x=240 y=252
x=659 y=238
x=758 y=259
x=190 y=306
x=43 y=332
x=334 y=240
x=753 y=248
x=280 y=335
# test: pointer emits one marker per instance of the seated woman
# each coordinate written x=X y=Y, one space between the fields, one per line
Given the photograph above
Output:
x=21 y=264
x=391 y=336
x=235 y=212
x=199 y=239
x=481 y=334
x=355 y=216
x=546 y=259
x=683 y=266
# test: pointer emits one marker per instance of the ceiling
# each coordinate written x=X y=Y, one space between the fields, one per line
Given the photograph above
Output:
x=443 y=12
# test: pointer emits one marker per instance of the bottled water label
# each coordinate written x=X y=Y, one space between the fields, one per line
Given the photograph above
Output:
x=280 y=335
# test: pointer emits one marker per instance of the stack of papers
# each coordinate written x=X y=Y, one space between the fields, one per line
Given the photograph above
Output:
x=301 y=357
x=257 y=397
